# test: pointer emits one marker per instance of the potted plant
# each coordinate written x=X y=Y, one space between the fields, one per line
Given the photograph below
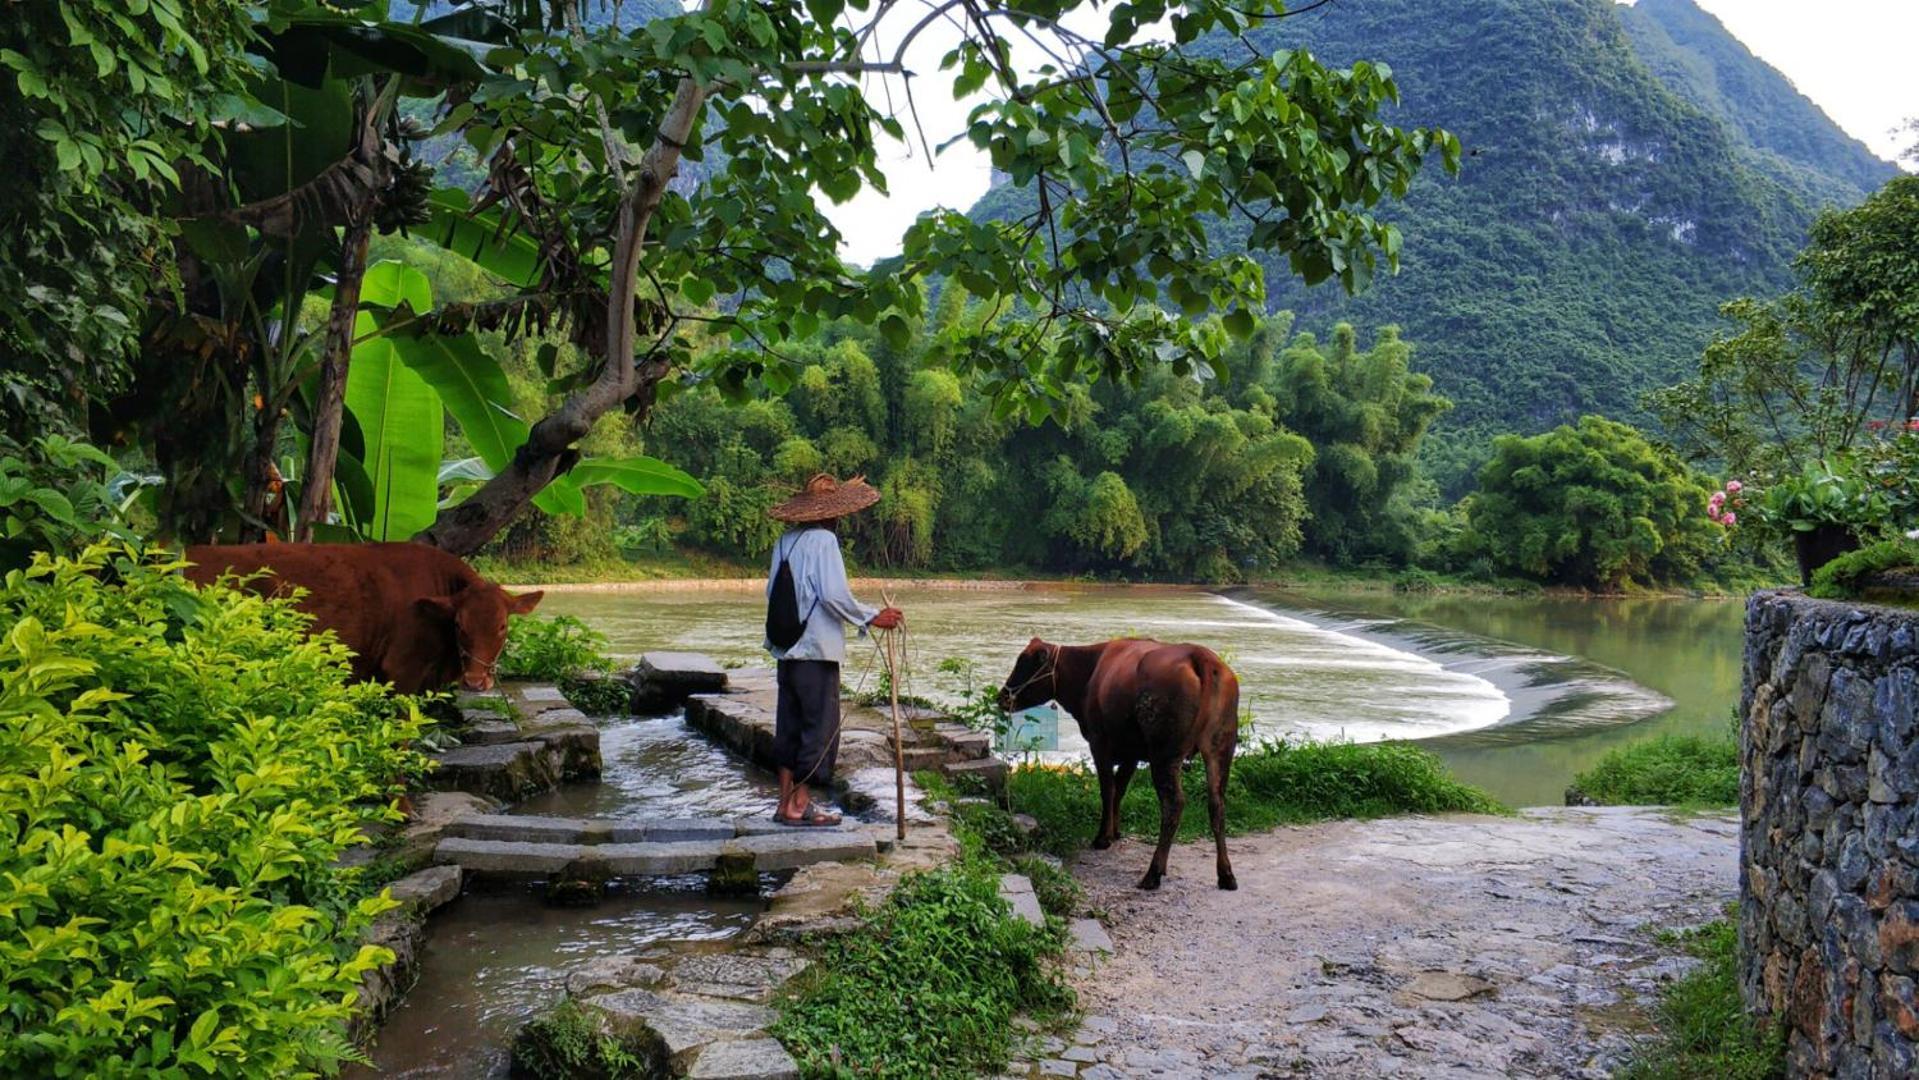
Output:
x=1826 y=509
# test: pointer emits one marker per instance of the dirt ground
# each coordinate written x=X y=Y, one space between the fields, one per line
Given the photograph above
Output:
x=1426 y=946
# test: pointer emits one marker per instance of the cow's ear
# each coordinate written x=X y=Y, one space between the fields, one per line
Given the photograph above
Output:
x=441 y=606
x=524 y=603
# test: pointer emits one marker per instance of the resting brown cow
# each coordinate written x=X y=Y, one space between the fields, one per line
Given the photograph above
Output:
x=413 y=615
x=1141 y=700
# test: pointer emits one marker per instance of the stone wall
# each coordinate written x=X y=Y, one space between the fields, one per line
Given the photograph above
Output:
x=1829 y=832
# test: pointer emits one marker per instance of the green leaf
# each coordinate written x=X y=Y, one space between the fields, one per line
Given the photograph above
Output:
x=390 y=283
x=481 y=238
x=472 y=386
x=896 y=331
x=636 y=476
x=400 y=417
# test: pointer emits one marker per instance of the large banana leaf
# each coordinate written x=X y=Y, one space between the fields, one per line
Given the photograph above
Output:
x=400 y=418
x=472 y=387
x=509 y=254
x=637 y=476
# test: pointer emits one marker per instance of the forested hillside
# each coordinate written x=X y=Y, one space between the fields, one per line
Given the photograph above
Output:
x=1602 y=217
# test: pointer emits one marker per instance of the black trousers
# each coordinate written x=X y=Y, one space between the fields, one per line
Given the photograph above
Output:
x=806 y=724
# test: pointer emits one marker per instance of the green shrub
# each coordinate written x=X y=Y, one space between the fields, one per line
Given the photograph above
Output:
x=1416 y=580
x=1704 y=1029
x=929 y=987
x=1672 y=770
x=597 y=696
x=551 y=649
x=567 y=1043
x=1847 y=576
x=179 y=770
x=1271 y=784
x=53 y=498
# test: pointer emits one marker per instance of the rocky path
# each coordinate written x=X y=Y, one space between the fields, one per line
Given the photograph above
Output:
x=1454 y=946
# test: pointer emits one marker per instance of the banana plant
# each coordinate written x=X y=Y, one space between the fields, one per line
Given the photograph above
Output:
x=404 y=378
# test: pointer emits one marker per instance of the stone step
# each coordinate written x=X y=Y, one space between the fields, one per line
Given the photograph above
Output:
x=662 y=681
x=763 y=852
x=588 y=831
x=552 y=750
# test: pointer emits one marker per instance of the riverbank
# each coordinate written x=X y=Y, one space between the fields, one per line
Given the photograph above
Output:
x=699 y=569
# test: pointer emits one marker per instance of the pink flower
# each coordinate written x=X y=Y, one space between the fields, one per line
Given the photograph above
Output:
x=1729 y=519
x=1734 y=487
x=1718 y=500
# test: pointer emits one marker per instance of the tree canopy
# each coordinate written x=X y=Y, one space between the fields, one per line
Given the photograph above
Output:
x=1597 y=506
x=1131 y=137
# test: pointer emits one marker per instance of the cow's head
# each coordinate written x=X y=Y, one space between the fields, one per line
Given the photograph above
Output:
x=478 y=617
x=1034 y=679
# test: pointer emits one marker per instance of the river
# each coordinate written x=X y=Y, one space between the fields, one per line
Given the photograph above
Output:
x=1518 y=694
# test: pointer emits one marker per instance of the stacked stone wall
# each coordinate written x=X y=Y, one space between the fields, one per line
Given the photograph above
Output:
x=1829 y=832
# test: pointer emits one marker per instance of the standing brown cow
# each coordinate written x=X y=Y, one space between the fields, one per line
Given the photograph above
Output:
x=413 y=615
x=1141 y=700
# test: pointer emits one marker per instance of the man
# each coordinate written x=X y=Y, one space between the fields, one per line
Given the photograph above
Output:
x=806 y=728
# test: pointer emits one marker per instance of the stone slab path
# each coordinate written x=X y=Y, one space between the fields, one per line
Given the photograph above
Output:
x=1448 y=946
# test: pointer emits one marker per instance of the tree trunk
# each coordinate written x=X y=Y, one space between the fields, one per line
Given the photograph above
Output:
x=263 y=477
x=329 y=404
x=548 y=450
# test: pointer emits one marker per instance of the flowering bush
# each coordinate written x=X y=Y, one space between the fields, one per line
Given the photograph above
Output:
x=179 y=771
x=1723 y=507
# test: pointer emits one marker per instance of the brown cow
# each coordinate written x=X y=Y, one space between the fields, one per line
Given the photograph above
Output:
x=1141 y=700
x=414 y=616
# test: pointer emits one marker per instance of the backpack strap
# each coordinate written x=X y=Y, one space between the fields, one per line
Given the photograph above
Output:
x=808 y=617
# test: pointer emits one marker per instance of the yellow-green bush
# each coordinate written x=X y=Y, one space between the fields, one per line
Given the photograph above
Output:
x=179 y=770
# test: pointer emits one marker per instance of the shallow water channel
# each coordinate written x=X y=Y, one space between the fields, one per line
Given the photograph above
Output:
x=493 y=958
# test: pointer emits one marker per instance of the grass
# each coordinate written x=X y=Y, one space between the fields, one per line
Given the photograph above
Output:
x=1271 y=784
x=1704 y=1029
x=930 y=985
x=1692 y=771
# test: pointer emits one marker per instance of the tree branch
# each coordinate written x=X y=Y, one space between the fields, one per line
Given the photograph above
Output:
x=465 y=528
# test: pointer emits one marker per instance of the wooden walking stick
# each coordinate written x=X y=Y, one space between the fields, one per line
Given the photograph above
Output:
x=899 y=747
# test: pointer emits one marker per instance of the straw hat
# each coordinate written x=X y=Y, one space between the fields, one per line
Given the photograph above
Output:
x=826 y=498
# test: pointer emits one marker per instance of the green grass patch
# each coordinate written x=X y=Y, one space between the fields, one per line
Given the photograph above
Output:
x=1271 y=784
x=1704 y=1029
x=1671 y=770
x=930 y=985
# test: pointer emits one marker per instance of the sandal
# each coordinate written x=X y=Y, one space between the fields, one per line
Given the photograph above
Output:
x=813 y=818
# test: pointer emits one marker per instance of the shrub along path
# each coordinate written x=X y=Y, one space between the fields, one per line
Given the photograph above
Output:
x=1415 y=946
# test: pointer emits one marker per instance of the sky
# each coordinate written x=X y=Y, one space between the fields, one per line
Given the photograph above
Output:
x=1854 y=58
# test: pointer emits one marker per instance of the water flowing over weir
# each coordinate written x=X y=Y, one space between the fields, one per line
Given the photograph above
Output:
x=1313 y=671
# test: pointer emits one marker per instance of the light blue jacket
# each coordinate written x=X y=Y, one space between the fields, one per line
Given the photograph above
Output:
x=819 y=579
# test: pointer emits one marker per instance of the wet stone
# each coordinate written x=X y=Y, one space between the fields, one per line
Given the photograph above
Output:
x=680 y=1024
x=613 y=973
x=425 y=890
x=744 y=1059
x=743 y=976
